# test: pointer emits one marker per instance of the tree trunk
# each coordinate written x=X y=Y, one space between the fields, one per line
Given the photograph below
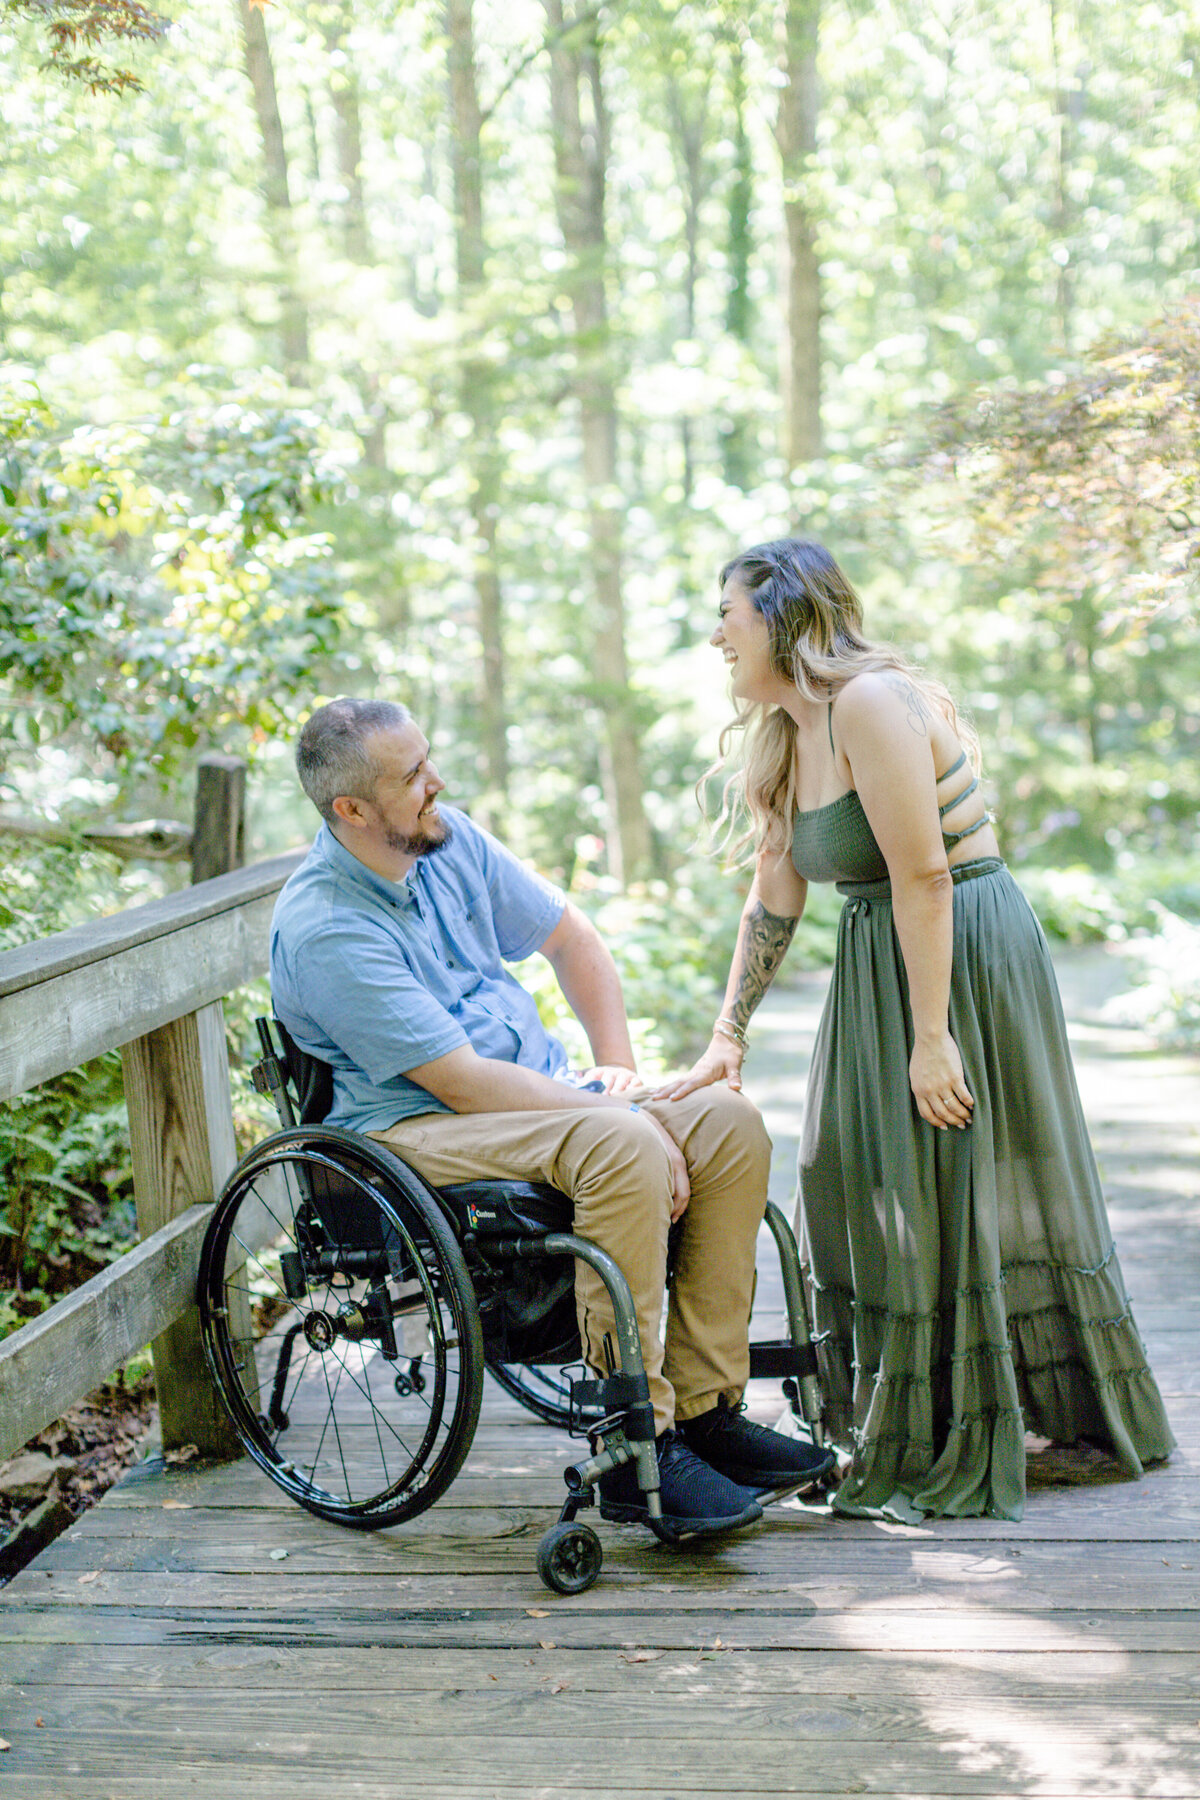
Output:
x=796 y=136
x=1068 y=110
x=345 y=97
x=580 y=159
x=736 y=437
x=478 y=393
x=689 y=129
x=280 y=220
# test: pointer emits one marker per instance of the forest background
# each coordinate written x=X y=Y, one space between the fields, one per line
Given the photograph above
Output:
x=445 y=349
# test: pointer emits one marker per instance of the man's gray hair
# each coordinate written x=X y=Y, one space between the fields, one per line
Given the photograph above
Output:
x=332 y=756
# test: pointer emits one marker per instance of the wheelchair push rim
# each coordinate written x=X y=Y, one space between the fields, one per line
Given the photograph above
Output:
x=340 y=1326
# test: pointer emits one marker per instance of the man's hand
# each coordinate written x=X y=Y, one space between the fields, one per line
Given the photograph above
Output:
x=681 y=1188
x=615 y=1077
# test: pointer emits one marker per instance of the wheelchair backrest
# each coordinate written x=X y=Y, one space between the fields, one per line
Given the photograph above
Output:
x=310 y=1079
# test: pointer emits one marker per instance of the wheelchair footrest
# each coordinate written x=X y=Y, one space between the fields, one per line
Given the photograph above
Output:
x=771 y=1361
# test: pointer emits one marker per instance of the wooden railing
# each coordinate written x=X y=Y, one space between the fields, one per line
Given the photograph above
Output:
x=149 y=981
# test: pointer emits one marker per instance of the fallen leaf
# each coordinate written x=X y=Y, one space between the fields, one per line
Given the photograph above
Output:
x=4 y=1744
x=559 y=1687
x=92 y=1575
x=278 y=1555
x=636 y=1656
x=536 y=1612
x=545 y=1644
x=177 y=1506
x=717 y=1644
x=40 y=1722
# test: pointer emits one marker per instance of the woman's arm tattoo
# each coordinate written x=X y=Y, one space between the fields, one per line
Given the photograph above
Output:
x=764 y=945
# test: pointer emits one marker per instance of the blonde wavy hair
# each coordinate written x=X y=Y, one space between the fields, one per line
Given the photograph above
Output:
x=814 y=618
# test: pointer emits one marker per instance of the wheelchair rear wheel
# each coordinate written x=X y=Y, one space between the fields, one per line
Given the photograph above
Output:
x=341 y=1327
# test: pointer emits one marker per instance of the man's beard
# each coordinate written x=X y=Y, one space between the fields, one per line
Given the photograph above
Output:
x=425 y=845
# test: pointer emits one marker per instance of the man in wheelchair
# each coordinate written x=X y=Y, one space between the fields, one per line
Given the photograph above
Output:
x=388 y=953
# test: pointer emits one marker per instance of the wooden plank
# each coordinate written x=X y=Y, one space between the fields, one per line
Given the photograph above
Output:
x=101 y=939
x=132 y=979
x=60 y=1023
x=94 y=1716
x=785 y=1548
x=183 y=1148
x=950 y=1753
x=1081 y=1676
x=57 y=1358
x=484 y=1781
x=133 y=1610
x=495 y=1578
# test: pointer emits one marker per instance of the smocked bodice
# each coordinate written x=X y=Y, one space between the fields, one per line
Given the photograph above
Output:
x=836 y=843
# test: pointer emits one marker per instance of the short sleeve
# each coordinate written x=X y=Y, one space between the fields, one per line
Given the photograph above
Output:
x=525 y=907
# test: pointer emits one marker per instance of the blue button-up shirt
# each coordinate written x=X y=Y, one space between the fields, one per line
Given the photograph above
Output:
x=376 y=977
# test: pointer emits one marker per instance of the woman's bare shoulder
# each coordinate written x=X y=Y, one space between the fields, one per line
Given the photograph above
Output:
x=881 y=696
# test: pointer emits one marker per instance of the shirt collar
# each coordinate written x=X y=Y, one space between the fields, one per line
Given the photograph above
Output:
x=397 y=893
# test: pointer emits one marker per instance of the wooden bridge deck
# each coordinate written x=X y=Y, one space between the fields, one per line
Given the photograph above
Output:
x=198 y=1635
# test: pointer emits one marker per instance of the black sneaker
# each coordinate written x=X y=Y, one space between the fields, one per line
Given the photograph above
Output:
x=696 y=1501
x=765 y=1461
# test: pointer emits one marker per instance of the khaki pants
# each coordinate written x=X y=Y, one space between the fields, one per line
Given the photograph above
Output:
x=613 y=1166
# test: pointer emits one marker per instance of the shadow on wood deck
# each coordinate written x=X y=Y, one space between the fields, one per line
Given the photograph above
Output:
x=196 y=1634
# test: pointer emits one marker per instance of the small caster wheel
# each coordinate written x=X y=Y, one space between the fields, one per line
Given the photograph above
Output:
x=569 y=1558
x=411 y=1383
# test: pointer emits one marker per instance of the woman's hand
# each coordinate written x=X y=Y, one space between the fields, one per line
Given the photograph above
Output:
x=722 y=1061
x=935 y=1074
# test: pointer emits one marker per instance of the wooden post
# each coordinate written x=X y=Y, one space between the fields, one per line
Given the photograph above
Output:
x=219 y=829
x=181 y=1137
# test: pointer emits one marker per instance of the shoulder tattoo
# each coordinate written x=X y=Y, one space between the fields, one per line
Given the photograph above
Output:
x=918 y=709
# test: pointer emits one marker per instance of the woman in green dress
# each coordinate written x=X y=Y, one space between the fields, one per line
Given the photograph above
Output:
x=964 y=1283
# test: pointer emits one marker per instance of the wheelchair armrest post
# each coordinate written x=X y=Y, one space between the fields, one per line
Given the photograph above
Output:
x=637 y=1436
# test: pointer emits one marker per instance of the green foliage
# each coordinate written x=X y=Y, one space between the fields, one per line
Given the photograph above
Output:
x=71 y=24
x=149 y=573
x=1079 y=905
x=1072 y=511
x=68 y=1187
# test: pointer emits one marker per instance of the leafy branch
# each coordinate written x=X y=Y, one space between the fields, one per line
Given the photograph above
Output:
x=74 y=25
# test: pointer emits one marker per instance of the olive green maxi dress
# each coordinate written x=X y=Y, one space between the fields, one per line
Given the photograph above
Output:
x=964 y=1283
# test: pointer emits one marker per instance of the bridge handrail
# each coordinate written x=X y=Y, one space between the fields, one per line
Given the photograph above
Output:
x=150 y=982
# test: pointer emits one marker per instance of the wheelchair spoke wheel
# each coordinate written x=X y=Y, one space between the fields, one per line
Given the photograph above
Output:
x=341 y=1328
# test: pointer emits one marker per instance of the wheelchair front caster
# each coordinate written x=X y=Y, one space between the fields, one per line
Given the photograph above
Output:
x=569 y=1558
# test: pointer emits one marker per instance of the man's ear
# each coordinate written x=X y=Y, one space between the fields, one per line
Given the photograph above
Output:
x=350 y=812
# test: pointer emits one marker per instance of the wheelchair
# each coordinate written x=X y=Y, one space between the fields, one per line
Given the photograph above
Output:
x=349 y=1311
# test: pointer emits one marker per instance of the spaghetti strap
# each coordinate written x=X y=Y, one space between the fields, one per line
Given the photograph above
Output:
x=958 y=798
x=952 y=770
x=829 y=720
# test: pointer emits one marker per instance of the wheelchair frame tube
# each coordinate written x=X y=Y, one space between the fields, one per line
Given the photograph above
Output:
x=629 y=1347
x=799 y=1322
